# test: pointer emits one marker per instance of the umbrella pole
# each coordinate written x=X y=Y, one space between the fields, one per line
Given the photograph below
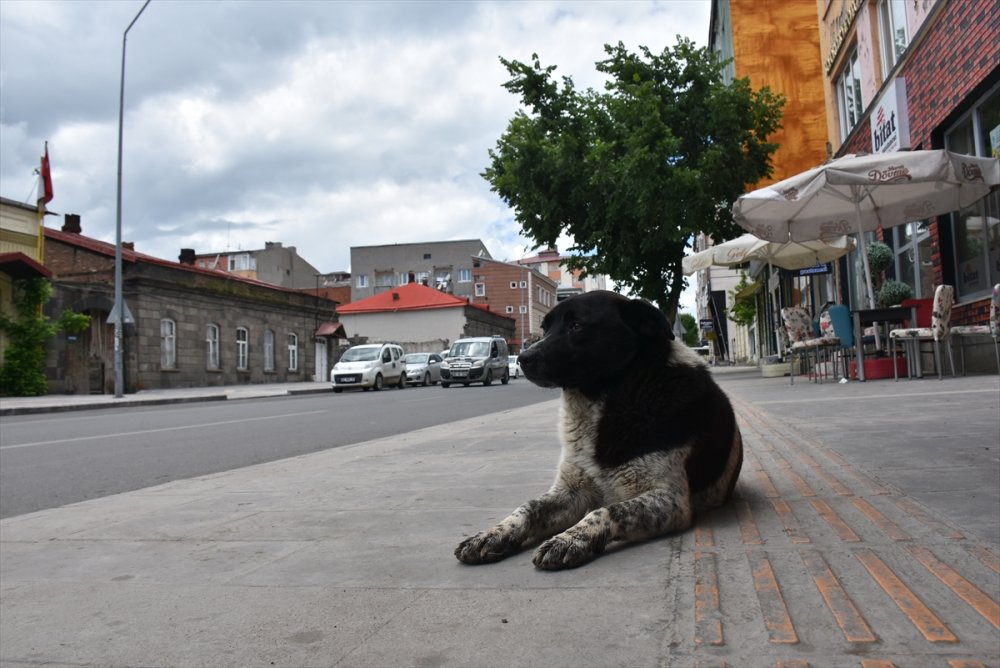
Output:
x=863 y=248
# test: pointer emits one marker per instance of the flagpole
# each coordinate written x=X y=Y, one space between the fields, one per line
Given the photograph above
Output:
x=119 y=302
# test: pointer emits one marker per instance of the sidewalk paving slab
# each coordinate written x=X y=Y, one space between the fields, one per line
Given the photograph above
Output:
x=833 y=552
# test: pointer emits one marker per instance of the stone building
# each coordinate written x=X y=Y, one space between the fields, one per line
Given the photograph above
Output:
x=193 y=327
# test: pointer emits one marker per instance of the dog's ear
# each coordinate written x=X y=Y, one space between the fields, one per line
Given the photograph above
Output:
x=646 y=320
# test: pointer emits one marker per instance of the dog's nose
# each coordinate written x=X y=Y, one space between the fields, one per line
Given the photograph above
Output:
x=526 y=360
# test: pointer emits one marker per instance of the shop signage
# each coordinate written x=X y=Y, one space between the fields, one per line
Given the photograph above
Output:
x=705 y=324
x=839 y=28
x=823 y=268
x=890 y=119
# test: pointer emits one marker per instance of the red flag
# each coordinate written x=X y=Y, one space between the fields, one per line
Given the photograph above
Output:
x=45 y=184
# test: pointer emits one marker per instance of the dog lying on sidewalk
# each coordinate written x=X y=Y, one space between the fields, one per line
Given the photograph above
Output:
x=648 y=438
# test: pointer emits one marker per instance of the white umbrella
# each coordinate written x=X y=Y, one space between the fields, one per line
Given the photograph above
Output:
x=789 y=255
x=861 y=193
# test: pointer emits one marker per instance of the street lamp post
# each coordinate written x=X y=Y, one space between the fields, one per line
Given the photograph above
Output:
x=119 y=308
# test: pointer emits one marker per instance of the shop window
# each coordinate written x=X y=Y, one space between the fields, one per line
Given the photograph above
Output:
x=975 y=230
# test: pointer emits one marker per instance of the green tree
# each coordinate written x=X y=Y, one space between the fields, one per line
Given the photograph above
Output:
x=23 y=371
x=692 y=336
x=633 y=172
x=744 y=311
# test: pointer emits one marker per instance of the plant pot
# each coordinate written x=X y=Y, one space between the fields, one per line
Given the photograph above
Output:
x=880 y=367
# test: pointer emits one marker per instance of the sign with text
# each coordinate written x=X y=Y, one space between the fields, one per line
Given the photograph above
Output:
x=890 y=119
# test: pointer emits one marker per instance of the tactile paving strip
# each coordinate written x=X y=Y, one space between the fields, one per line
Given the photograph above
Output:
x=817 y=564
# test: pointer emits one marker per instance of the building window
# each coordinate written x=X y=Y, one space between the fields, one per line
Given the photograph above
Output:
x=293 y=352
x=242 y=349
x=510 y=309
x=362 y=280
x=383 y=279
x=168 y=344
x=892 y=32
x=524 y=284
x=403 y=278
x=427 y=256
x=268 y=350
x=480 y=289
x=464 y=275
x=522 y=309
x=912 y=245
x=513 y=285
x=848 y=85
x=975 y=230
x=242 y=262
x=422 y=277
x=212 y=346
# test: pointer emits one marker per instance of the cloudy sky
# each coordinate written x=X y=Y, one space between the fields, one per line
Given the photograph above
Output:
x=322 y=125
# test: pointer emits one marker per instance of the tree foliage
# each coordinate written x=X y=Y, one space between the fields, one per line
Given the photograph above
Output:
x=23 y=370
x=631 y=173
x=744 y=311
x=692 y=336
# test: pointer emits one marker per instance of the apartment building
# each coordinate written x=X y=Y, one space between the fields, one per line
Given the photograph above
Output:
x=275 y=264
x=518 y=291
x=444 y=265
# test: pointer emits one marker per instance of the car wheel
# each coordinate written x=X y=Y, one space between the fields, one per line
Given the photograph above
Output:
x=506 y=378
x=379 y=383
x=489 y=378
x=427 y=379
x=445 y=386
x=402 y=381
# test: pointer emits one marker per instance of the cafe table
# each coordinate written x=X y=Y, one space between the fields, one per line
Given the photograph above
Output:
x=888 y=315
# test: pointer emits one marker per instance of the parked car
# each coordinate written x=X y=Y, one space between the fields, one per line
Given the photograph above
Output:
x=480 y=359
x=423 y=368
x=369 y=366
x=513 y=368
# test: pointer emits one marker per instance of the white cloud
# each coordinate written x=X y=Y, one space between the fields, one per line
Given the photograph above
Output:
x=321 y=125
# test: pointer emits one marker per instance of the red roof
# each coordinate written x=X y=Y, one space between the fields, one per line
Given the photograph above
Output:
x=409 y=297
x=19 y=265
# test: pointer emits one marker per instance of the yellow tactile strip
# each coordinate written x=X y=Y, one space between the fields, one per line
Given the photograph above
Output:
x=817 y=564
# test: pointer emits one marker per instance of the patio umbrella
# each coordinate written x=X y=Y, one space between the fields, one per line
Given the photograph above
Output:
x=788 y=255
x=861 y=193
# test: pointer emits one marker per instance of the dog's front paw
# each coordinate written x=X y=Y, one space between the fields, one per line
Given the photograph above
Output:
x=567 y=550
x=486 y=547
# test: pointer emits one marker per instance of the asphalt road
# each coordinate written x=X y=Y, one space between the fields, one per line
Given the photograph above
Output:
x=60 y=458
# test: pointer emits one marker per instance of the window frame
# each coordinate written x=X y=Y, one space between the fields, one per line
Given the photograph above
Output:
x=242 y=349
x=268 y=350
x=850 y=105
x=292 y=341
x=168 y=343
x=480 y=289
x=361 y=281
x=889 y=13
x=464 y=275
x=212 y=359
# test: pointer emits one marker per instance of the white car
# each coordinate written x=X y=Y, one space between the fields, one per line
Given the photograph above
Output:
x=513 y=368
x=370 y=366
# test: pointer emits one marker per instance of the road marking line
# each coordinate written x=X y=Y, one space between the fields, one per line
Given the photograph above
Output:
x=154 y=431
x=790 y=522
x=888 y=527
x=845 y=532
x=707 y=616
x=989 y=558
x=849 y=618
x=932 y=628
x=877 y=663
x=964 y=589
x=772 y=604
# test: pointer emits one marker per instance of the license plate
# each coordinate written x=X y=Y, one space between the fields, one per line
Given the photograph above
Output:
x=459 y=374
x=347 y=379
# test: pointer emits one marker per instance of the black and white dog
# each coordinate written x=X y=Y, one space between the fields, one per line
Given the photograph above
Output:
x=648 y=438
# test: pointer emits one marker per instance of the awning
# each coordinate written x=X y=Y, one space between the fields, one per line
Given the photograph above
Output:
x=19 y=265
x=329 y=328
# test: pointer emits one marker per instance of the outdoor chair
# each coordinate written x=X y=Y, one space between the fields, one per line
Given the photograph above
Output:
x=843 y=328
x=993 y=329
x=799 y=328
x=938 y=332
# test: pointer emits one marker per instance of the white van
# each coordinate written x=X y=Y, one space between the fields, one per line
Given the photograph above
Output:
x=370 y=366
x=480 y=359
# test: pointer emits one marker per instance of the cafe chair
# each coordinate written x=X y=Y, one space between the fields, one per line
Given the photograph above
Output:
x=843 y=329
x=799 y=327
x=993 y=329
x=937 y=333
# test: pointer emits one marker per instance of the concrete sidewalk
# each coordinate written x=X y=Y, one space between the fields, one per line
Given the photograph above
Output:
x=865 y=532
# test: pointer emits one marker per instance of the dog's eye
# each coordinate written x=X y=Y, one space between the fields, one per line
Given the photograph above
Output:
x=574 y=326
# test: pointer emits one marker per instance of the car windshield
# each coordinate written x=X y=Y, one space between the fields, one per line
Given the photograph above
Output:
x=470 y=349
x=360 y=355
x=416 y=358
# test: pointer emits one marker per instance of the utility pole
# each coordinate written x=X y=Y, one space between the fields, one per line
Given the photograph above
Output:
x=119 y=308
